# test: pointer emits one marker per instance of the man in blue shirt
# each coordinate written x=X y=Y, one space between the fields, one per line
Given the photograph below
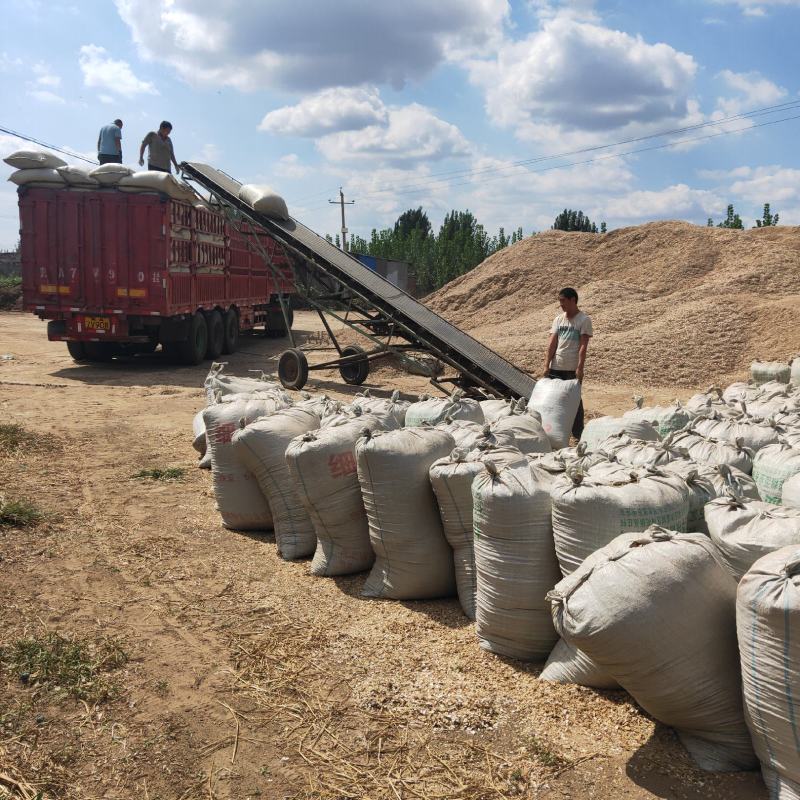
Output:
x=109 y=143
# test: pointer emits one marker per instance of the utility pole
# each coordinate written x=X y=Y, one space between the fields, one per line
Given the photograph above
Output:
x=341 y=202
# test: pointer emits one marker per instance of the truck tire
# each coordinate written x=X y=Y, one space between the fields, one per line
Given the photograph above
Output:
x=193 y=350
x=293 y=369
x=101 y=351
x=230 y=331
x=356 y=371
x=216 y=334
x=276 y=326
x=77 y=351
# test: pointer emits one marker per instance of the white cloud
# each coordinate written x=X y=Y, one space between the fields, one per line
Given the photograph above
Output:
x=307 y=45
x=100 y=71
x=289 y=166
x=673 y=202
x=46 y=96
x=412 y=133
x=758 y=8
x=45 y=76
x=752 y=89
x=573 y=82
x=768 y=184
x=331 y=110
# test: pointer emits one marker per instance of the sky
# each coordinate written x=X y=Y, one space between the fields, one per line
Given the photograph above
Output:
x=630 y=111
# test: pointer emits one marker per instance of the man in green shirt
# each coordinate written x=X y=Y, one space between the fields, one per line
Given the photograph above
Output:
x=160 y=152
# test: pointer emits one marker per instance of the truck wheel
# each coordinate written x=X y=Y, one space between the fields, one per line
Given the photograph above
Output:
x=216 y=334
x=355 y=372
x=193 y=350
x=230 y=333
x=276 y=327
x=77 y=351
x=293 y=369
x=101 y=351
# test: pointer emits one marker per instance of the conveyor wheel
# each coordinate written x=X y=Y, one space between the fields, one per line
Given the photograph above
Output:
x=354 y=372
x=293 y=369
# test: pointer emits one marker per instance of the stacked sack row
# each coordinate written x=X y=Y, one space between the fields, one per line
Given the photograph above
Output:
x=37 y=168
x=616 y=560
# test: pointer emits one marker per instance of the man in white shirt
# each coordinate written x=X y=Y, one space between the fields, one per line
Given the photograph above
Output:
x=566 y=350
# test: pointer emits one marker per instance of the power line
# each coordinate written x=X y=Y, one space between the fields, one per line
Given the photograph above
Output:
x=433 y=178
x=49 y=146
x=591 y=160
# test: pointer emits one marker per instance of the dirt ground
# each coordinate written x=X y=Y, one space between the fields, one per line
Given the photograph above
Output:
x=245 y=676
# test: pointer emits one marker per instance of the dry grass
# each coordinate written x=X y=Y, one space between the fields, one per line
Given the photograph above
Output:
x=349 y=750
x=19 y=514
x=161 y=473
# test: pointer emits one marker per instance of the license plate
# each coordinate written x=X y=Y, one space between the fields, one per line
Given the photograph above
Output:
x=97 y=323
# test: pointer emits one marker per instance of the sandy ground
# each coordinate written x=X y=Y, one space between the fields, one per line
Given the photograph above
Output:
x=247 y=677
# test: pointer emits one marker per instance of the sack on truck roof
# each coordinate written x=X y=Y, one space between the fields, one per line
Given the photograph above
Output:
x=156 y=181
x=37 y=177
x=412 y=558
x=110 y=174
x=78 y=177
x=515 y=562
x=768 y=624
x=34 y=159
x=322 y=465
x=656 y=611
x=262 y=447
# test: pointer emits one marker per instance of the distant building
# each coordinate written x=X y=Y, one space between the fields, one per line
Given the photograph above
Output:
x=399 y=273
x=10 y=263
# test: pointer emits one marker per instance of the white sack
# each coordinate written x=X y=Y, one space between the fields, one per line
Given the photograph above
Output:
x=412 y=558
x=600 y=428
x=34 y=159
x=705 y=450
x=557 y=403
x=794 y=371
x=656 y=610
x=199 y=433
x=435 y=410
x=526 y=431
x=451 y=479
x=705 y=483
x=240 y=502
x=515 y=562
x=218 y=385
x=567 y=664
x=753 y=433
x=264 y=200
x=745 y=530
x=24 y=177
x=665 y=419
x=768 y=624
x=110 y=174
x=495 y=408
x=638 y=453
x=589 y=511
x=765 y=371
x=262 y=447
x=322 y=465
x=77 y=176
x=156 y=181
x=773 y=465
x=790 y=494
x=381 y=406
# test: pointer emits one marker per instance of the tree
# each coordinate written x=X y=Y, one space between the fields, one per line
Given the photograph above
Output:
x=413 y=219
x=710 y=223
x=603 y=228
x=768 y=220
x=570 y=220
x=732 y=220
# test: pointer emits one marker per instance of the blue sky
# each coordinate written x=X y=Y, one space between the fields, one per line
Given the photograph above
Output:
x=431 y=104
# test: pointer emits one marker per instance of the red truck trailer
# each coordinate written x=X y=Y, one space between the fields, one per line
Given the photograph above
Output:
x=118 y=273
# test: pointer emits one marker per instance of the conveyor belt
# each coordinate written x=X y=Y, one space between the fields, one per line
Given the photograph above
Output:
x=434 y=334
